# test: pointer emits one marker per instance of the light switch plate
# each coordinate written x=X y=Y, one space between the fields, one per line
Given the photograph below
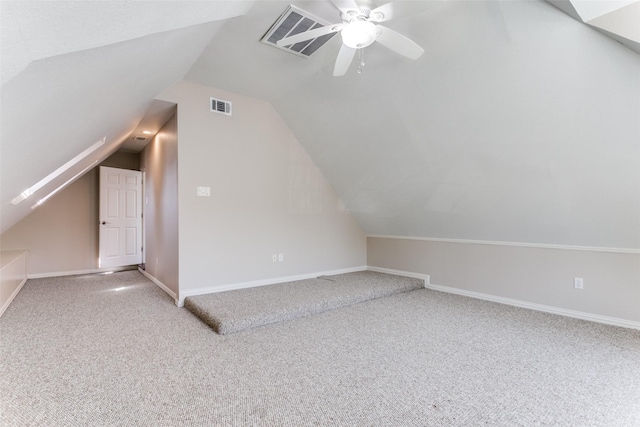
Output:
x=203 y=191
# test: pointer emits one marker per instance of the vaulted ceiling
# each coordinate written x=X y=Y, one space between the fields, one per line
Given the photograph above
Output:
x=519 y=123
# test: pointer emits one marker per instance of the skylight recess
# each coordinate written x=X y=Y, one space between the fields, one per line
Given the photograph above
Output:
x=76 y=176
x=53 y=175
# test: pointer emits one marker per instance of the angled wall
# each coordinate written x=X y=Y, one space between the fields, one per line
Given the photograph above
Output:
x=266 y=197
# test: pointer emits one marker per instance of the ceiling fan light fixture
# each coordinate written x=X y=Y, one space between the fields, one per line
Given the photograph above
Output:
x=358 y=34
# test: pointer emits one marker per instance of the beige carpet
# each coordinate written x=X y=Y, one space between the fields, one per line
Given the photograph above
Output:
x=115 y=351
x=242 y=309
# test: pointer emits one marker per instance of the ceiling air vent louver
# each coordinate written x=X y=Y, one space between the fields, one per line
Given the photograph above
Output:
x=220 y=106
x=295 y=21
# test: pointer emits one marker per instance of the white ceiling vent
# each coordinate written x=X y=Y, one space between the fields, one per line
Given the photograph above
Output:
x=220 y=106
x=295 y=21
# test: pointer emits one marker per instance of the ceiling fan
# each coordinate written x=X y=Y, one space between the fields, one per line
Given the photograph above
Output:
x=359 y=28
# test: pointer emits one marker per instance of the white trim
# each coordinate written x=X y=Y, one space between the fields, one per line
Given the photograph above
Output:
x=425 y=277
x=63 y=186
x=18 y=254
x=79 y=272
x=539 y=307
x=256 y=283
x=13 y=295
x=519 y=244
x=22 y=255
x=53 y=175
x=160 y=285
x=143 y=212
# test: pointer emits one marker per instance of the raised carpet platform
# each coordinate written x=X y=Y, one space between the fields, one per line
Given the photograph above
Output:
x=234 y=311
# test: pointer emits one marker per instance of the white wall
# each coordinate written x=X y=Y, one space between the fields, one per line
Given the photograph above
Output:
x=267 y=197
x=159 y=160
x=530 y=274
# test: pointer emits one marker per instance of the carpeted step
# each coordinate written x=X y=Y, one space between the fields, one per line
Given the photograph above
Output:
x=234 y=311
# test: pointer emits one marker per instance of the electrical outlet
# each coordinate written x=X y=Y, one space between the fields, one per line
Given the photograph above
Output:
x=578 y=282
x=274 y=257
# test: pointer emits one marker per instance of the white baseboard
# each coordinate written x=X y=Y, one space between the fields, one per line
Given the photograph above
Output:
x=13 y=295
x=78 y=272
x=425 y=277
x=427 y=280
x=160 y=285
x=265 y=282
x=539 y=307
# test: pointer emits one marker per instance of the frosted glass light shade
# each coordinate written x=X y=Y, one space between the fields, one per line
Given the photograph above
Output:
x=358 y=34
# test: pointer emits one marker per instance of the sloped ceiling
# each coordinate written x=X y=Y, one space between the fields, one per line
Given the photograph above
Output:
x=618 y=19
x=74 y=73
x=518 y=123
x=621 y=24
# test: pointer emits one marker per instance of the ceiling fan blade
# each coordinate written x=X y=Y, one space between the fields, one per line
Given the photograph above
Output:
x=308 y=35
x=346 y=5
x=399 y=9
x=345 y=56
x=398 y=43
x=383 y=13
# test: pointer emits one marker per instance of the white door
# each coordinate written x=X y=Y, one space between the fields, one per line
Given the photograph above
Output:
x=120 y=217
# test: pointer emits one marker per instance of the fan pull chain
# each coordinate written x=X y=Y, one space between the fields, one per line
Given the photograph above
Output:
x=361 y=58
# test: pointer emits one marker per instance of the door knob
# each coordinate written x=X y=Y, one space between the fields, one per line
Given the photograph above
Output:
x=104 y=223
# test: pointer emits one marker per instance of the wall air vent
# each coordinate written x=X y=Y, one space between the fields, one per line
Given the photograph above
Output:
x=139 y=138
x=220 y=106
x=295 y=21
